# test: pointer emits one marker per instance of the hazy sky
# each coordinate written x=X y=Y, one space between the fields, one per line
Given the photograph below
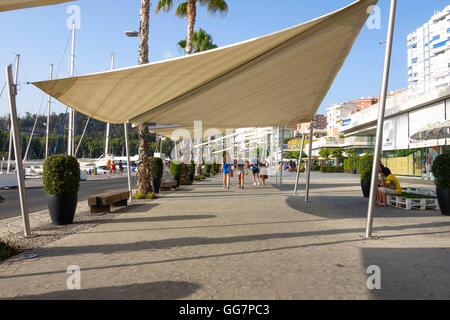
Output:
x=40 y=36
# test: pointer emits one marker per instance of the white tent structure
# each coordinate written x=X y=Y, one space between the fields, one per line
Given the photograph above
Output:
x=283 y=77
x=7 y=5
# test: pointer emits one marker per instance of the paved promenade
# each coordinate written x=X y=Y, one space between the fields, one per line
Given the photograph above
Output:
x=204 y=242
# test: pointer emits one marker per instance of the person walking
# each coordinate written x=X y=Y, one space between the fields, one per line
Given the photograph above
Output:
x=227 y=171
x=255 y=170
x=263 y=172
x=120 y=168
x=240 y=168
x=113 y=168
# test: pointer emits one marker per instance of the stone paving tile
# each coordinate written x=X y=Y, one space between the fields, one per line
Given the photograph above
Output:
x=203 y=242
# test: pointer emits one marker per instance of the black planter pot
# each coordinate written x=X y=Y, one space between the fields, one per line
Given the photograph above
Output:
x=62 y=208
x=354 y=171
x=443 y=196
x=365 y=187
x=191 y=176
x=156 y=184
x=178 y=178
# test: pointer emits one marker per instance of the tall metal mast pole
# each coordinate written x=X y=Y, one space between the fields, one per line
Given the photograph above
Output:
x=380 y=123
x=12 y=90
x=8 y=168
x=70 y=142
x=49 y=101
x=108 y=125
x=308 y=168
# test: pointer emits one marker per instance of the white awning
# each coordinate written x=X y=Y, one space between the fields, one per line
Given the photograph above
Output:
x=7 y=5
x=277 y=79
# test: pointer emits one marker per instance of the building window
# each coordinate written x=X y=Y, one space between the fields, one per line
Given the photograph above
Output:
x=414 y=60
x=440 y=44
x=436 y=38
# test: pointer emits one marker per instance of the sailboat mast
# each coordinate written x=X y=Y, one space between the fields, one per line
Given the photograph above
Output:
x=70 y=143
x=49 y=101
x=108 y=125
x=8 y=168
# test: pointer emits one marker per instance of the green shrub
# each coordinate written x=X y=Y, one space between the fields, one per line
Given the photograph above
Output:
x=61 y=175
x=332 y=169
x=156 y=167
x=365 y=167
x=315 y=167
x=175 y=168
x=208 y=167
x=7 y=250
x=185 y=183
x=202 y=177
x=441 y=171
x=141 y=196
x=351 y=163
x=191 y=168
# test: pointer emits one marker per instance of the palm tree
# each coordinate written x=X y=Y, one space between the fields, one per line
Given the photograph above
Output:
x=145 y=181
x=188 y=9
x=201 y=41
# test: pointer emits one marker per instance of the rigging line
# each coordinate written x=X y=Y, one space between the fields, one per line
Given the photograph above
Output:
x=60 y=130
x=81 y=139
x=63 y=55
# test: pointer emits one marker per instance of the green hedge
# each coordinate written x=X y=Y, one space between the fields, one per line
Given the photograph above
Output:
x=61 y=175
x=365 y=167
x=175 y=168
x=332 y=169
x=208 y=167
x=351 y=163
x=6 y=250
x=441 y=171
x=156 y=167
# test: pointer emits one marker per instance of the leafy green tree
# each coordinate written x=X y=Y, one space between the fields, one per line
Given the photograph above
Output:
x=201 y=41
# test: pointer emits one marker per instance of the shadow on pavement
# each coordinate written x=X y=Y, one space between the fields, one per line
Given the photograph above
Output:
x=410 y=273
x=301 y=186
x=153 y=219
x=341 y=207
x=199 y=241
x=161 y=290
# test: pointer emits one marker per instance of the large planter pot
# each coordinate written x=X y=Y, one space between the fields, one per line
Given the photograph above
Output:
x=156 y=184
x=178 y=178
x=62 y=208
x=365 y=187
x=443 y=196
x=191 y=177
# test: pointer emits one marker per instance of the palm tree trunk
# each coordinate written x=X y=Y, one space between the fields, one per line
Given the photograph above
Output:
x=145 y=181
x=191 y=14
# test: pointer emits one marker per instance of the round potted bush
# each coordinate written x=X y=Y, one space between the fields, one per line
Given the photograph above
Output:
x=365 y=173
x=175 y=170
x=61 y=180
x=441 y=173
x=156 y=167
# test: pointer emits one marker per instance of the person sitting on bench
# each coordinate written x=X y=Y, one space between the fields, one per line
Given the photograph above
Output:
x=389 y=184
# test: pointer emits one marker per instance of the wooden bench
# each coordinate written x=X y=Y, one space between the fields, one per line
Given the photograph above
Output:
x=102 y=203
x=167 y=185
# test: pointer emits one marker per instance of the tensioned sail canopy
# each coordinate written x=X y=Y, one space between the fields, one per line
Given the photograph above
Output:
x=6 y=5
x=277 y=79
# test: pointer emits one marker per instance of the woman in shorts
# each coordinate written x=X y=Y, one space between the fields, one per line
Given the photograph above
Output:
x=263 y=172
x=240 y=167
x=226 y=170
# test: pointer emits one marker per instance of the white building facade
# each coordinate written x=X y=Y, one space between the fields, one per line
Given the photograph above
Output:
x=337 y=117
x=429 y=54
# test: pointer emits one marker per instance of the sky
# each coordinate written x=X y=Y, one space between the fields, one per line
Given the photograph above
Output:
x=41 y=37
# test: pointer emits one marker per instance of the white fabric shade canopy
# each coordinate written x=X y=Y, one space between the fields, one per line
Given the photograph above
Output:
x=277 y=79
x=7 y=5
x=437 y=130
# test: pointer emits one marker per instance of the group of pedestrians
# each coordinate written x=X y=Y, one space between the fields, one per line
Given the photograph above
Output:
x=257 y=167
x=116 y=168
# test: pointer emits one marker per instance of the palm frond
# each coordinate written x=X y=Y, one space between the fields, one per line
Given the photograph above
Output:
x=165 y=5
x=181 y=10
x=215 y=6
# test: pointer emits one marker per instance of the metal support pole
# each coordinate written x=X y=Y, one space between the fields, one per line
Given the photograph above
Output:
x=299 y=162
x=108 y=125
x=16 y=75
x=308 y=172
x=49 y=101
x=71 y=135
x=380 y=123
x=281 y=143
x=127 y=148
x=17 y=151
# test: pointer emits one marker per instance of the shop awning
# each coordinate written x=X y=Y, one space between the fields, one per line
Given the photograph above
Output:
x=7 y=5
x=277 y=79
